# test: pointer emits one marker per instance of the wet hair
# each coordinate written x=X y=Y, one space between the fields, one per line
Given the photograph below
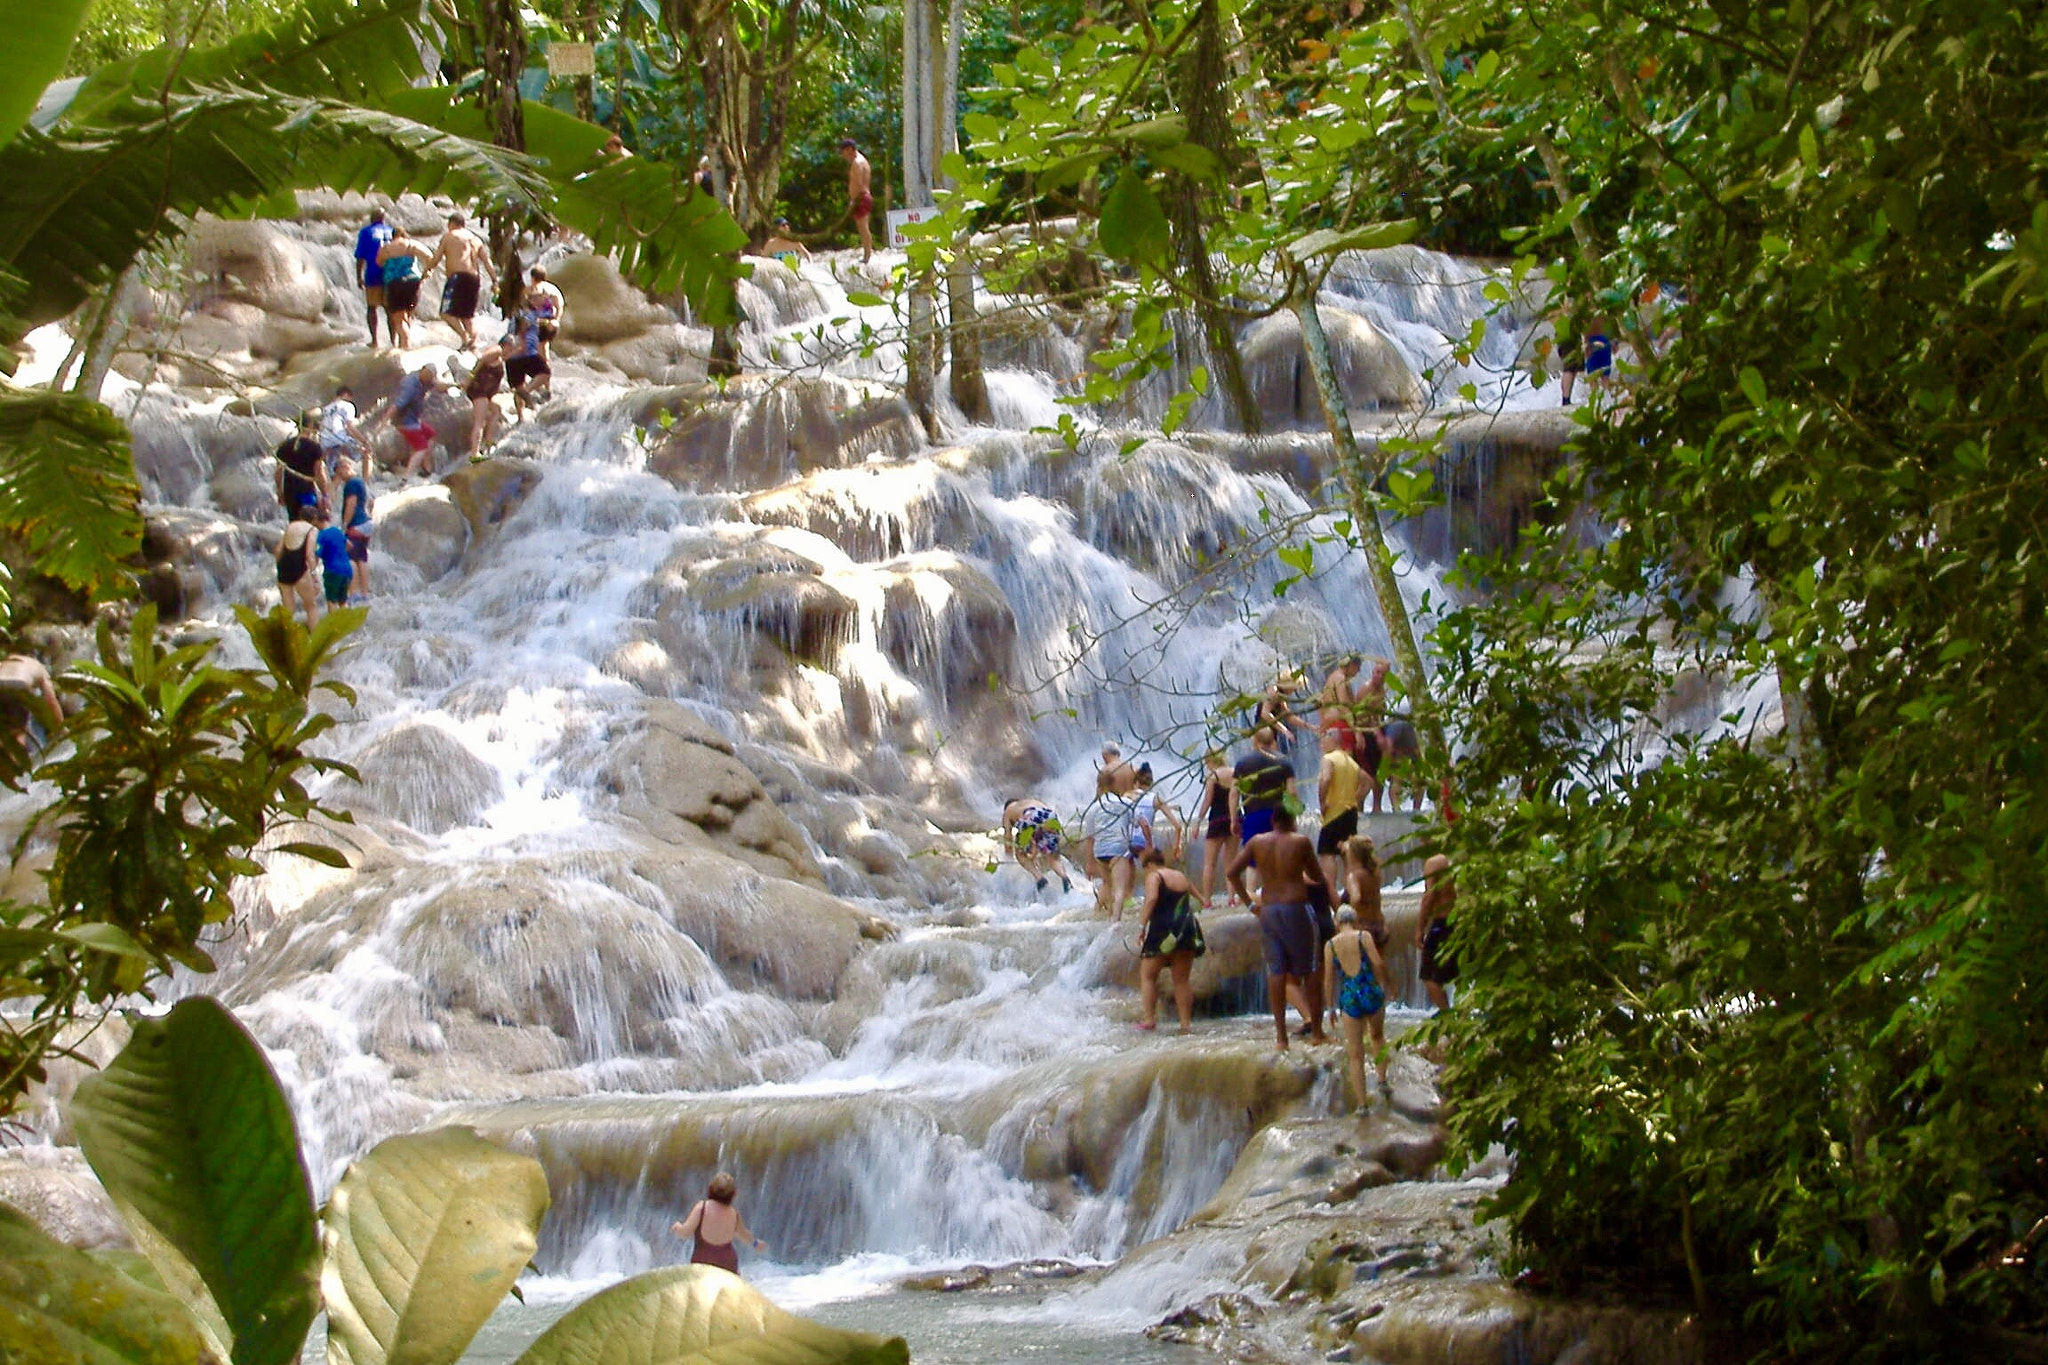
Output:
x=1353 y=661
x=847 y=142
x=1359 y=849
x=1283 y=818
x=538 y=273
x=344 y=392
x=722 y=1187
x=456 y=219
x=1144 y=770
x=1346 y=915
x=376 y=215
x=1154 y=856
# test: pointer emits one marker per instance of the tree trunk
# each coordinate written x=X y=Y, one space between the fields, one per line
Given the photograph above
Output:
x=924 y=79
x=1204 y=101
x=1358 y=476
x=504 y=59
x=970 y=386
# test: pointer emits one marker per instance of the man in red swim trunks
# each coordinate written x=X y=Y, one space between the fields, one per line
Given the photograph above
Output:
x=858 y=195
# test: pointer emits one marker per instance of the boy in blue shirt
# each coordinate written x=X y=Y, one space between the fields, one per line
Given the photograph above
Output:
x=335 y=570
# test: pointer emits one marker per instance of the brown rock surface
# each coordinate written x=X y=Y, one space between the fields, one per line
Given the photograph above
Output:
x=422 y=527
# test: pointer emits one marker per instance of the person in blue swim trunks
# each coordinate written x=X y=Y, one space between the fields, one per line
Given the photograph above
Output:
x=1352 y=971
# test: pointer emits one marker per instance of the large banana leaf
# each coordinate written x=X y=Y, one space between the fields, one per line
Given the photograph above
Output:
x=424 y=1236
x=662 y=232
x=100 y=196
x=192 y=1137
x=38 y=40
x=59 y=1306
x=323 y=49
x=699 y=1315
x=67 y=486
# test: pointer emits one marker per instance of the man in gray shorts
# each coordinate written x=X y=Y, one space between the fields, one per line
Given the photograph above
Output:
x=1287 y=868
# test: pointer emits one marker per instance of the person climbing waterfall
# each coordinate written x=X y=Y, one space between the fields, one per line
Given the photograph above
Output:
x=1173 y=939
x=1433 y=930
x=1264 y=781
x=1287 y=867
x=1340 y=789
x=1215 y=813
x=1031 y=831
x=860 y=199
x=716 y=1225
x=403 y=261
x=1149 y=811
x=1352 y=975
x=467 y=259
x=369 y=273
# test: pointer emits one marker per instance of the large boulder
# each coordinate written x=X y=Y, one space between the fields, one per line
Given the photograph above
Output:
x=1370 y=369
x=490 y=492
x=759 y=431
x=422 y=527
x=193 y=558
x=777 y=593
x=255 y=262
x=678 y=777
x=599 y=305
x=423 y=776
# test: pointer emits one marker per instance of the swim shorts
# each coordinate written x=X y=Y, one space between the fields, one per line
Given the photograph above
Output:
x=1439 y=963
x=1038 y=830
x=418 y=437
x=521 y=368
x=458 y=299
x=863 y=204
x=1252 y=823
x=1335 y=831
x=401 y=296
x=1287 y=934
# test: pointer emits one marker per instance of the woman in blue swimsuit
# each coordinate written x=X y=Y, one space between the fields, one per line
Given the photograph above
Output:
x=1351 y=978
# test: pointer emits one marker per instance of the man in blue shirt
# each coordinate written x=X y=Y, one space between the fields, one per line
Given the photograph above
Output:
x=369 y=274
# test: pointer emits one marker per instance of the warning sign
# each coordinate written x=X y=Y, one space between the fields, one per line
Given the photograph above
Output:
x=572 y=59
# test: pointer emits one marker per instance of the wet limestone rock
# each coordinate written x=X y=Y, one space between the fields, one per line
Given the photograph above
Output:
x=194 y=558
x=599 y=306
x=58 y=1191
x=1370 y=369
x=786 y=936
x=422 y=527
x=759 y=431
x=255 y=262
x=489 y=493
x=678 y=777
x=424 y=777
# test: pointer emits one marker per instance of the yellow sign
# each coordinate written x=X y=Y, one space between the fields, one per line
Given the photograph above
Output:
x=572 y=59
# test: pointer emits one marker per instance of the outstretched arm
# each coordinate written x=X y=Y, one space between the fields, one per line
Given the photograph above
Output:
x=688 y=1227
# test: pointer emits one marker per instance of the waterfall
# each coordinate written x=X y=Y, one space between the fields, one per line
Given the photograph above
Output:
x=682 y=722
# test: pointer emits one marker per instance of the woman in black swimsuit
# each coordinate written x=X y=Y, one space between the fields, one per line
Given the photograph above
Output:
x=294 y=556
x=1219 y=791
x=1173 y=937
x=716 y=1225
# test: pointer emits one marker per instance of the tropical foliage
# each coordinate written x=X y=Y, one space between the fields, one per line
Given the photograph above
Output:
x=194 y=1141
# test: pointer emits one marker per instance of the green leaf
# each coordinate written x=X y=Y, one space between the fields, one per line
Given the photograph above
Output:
x=1133 y=225
x=424 y=1236
x=107 y=938
x=67 y=487
x=38 y=42
x=1364 y=237
x=1189 y=158
x=323 y=854
x=1751 y=382
x=57 y=1304
x=861 y=298
x=192 y=1137
x=699 y=1315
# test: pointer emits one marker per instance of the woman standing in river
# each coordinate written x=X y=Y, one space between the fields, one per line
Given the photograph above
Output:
x=1173 y=938
x=716 y=1225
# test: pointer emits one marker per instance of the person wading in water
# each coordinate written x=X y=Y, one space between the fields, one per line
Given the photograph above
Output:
x=716 y=1225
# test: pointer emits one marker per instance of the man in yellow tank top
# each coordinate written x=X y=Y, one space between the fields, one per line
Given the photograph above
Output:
x=1338 y=788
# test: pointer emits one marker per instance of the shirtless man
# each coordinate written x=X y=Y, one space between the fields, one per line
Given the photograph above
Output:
x=468 y=262
x=780 y=246
x=1287 y=929
x=1336 y=703
x=1116 y=774
x=859 y=197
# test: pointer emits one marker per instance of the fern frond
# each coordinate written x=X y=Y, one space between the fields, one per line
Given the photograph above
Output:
x=67 y=487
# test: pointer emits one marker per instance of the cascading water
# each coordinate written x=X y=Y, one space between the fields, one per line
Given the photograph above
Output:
x=675 y=687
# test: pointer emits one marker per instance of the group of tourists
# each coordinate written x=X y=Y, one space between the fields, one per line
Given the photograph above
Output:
x=327 y=506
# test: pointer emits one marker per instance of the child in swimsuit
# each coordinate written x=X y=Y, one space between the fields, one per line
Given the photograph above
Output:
x=1352 y=968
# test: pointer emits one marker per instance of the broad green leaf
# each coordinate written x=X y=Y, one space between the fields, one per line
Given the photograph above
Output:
x=59 y=1305
x=1751 y=381
x=1364 y=237
x=423 y=1237
x=1133 y=225
x=1153 y=133
x=1189 y=158
x=324 y=854
x=192 y=1137
x=67 y=486
x=107 y=938
x=38 y=40
x=699 y=1315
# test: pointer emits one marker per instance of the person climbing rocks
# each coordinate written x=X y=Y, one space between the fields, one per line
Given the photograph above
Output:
x=860 y=199
x=1149 y=812
x=716 y=1225
x=369 y=272
x=330 y=545
x=1353 y=973
x=1031 y=831
x=1433 y=930
x=468 y=263
x=1287 y=868
x=1400 y=750
x=295 y=562
x=408 y=413
x=481 y=388
x=356 y=523
x=403 y=260
x=780 y=246
x=1216 y=813
x=301 y=474
x=1264 y=781
x=341 y=432
x=1172 y=939
x=1340 y=787
x=1116 y=831
x=29 y=707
